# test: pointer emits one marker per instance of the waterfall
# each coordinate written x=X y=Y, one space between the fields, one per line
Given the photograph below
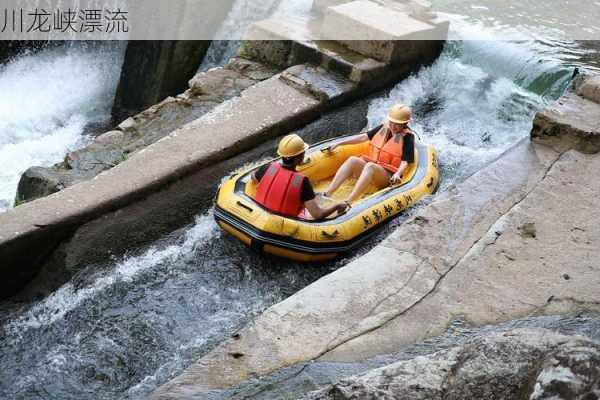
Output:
x=47 y=99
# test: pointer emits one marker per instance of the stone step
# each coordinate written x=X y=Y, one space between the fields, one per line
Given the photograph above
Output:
x=419 y=9
x=275 y=42
x=271 y=41
x=573 y=122
x=380 y=32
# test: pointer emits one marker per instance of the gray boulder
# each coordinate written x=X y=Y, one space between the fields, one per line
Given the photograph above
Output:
x=37 y=182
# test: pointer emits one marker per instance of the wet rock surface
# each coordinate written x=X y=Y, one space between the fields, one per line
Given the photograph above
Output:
x=38 y=182
x=588 y=87
x=498 y=366
x=444 y=366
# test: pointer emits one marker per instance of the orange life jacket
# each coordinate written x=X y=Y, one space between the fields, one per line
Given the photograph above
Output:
x=387 y=153
x=280 y=190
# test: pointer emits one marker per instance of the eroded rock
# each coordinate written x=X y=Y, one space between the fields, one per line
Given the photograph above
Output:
x=521 y=364
x=573 y=122
x=589 y=88
x=224 y=82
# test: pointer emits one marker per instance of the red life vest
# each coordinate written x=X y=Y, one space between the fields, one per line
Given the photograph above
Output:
x=387 y=153
x=280 y=190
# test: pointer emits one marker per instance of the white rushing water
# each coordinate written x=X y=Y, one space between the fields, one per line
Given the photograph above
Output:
x=46 y=100
x=68 y=297
x=242 y=14
x=477 y=100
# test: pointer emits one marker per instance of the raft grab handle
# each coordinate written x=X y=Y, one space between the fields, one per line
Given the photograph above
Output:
x=239 y=203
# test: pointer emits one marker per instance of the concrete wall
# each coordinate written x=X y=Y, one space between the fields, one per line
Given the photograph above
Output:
x=153 y=70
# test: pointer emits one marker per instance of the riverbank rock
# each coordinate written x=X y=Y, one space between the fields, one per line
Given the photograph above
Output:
x=522 y=364
x=589 y=88
x=572 y=122
x=37 y=182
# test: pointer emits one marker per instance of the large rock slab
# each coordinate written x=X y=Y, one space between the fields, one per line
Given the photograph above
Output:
x=519 y=364
x=537 y=257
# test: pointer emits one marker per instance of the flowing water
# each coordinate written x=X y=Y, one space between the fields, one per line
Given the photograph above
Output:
x=47 y=99
x=120 y=329
x=238 y=19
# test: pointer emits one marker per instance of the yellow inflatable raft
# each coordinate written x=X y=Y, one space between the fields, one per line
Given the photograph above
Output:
x=303 y=240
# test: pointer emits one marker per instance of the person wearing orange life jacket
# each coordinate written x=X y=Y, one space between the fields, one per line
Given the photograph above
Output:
x=283 y=190
x=391 y=150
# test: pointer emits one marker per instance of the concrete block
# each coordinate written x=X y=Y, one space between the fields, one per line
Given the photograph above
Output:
x=269 y=42
x=317 y=82
x=154 y=70
x=340 y=60
x=420 y=9
x=383 y=33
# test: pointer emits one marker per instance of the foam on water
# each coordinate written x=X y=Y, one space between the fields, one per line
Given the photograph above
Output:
x=46 y=100
x=68 y=297
x=471 y=105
